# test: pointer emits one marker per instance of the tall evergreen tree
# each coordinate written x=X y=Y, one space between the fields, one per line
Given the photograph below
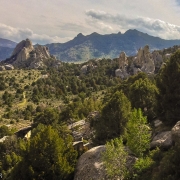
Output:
x=46 y=156
x=138 y=133
x=113 y=120
x=168 y=83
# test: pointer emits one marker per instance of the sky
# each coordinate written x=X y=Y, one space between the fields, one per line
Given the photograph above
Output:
x=51 y=21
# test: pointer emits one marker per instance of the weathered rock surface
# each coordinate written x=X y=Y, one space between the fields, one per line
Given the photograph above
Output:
x=144 y=60
x=84 y=69
x=162 y=140
x=9 y=67
x=121 y=73
x=23 y=44
x=176 y=133
x=90 y=165
x=157 y=123
x=25 y=55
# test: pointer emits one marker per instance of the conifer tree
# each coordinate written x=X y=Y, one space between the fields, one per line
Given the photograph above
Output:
x=168 y=83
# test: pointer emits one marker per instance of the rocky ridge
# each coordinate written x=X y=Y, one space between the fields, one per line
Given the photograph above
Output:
x=25 y=55
x=144 y=61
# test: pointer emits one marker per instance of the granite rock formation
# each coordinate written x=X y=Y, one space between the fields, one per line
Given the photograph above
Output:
x=176 y=133
x=25 y=55
x=123 y=63
x=144 y=61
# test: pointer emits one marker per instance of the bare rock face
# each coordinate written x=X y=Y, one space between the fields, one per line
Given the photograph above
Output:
x=144 y=60
x=122 y=73
x=90 y=165
x=25 y=55
x=42 y=52
x=9 y=67
x=162 y=140
x=176 y=133
x=84 y=69
x=23 y=44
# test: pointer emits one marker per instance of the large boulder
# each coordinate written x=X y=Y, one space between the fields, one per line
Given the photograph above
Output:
x=84 y=69
x=176 y=133
x=90 y=165
x=162 y=140
x=122 y=73
x=9 y=67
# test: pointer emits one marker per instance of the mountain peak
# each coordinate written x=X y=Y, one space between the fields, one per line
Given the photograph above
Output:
x=94 y=34
x=132 y=31
x=80 y=35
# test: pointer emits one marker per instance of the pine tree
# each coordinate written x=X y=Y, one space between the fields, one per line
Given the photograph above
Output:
x=168 y=83
x=138 y=133
x=46 y=156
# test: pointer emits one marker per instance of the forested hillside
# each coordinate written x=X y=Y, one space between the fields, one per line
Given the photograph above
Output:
x=120 y=113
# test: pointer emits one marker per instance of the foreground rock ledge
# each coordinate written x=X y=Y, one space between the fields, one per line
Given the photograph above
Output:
x=90 y=165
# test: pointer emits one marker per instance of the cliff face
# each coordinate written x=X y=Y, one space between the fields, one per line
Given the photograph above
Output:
x=144 y=61
x=25 y=55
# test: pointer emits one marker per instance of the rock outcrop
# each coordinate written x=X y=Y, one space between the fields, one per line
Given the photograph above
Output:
x=90 y=165
x=84 y=69
x=28 y=56
x=176 y=133
x=23 y=44
x=9 y=67
x=123 y=63
x=162 y=140
x=144 y=60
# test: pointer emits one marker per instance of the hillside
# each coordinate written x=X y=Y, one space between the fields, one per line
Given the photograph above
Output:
x=83 y=48
x=65 y=110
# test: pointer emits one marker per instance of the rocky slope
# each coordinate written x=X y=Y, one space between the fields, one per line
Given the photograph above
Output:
x=25 y=55
x=83 y=48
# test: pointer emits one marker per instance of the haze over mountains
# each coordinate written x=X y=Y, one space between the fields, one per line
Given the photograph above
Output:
x=83 y=48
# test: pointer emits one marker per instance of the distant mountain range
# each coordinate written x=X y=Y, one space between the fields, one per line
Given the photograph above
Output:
x=6 y=48
x=83 y=48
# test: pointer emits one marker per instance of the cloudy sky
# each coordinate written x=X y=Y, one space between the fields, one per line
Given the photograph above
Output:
x=47 y=21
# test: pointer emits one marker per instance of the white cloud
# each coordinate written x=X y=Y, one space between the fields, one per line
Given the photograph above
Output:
x=18 y=34
x=154 y=27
